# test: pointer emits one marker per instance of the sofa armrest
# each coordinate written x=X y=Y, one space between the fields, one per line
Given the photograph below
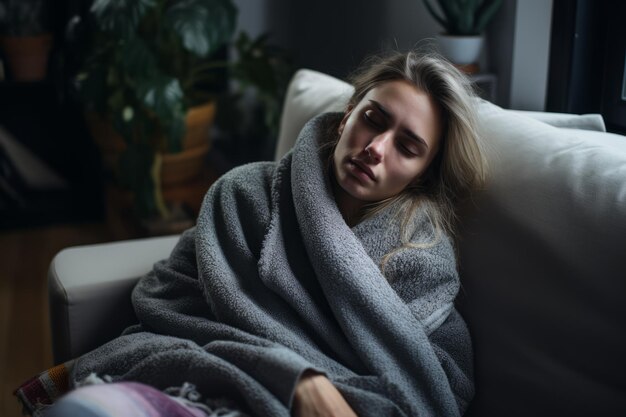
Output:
x=89 y=291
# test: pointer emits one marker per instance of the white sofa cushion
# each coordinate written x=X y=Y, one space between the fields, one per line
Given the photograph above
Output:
x=543 y=266
x=309 y=93
x=571 y=121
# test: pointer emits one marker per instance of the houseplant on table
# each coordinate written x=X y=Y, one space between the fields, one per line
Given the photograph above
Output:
x=464 y=22
x=151 y=68
x=26 y=37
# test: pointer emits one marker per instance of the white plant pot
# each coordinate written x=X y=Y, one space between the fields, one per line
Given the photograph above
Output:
x=460 y=50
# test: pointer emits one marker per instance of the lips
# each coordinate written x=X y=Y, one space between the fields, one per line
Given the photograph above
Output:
x=360 y=165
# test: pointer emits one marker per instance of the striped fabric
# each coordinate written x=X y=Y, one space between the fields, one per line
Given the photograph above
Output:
x=126 y=399
x=43 y=389
x=44 y=395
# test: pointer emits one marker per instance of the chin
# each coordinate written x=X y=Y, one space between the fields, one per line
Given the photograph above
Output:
x=357 y=192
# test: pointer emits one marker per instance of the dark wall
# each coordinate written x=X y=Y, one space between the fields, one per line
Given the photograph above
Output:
x=329 y=36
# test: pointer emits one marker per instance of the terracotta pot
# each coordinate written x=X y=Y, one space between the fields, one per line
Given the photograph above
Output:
x=176 y=167
x=186 y=165
x=185 y=176
x=183 y=166
x=198 y=122
x=28 y=56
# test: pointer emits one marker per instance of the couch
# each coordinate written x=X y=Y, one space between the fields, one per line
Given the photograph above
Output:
x=542 y=257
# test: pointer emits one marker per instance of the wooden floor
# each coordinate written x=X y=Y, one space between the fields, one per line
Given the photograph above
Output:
x=25 y=347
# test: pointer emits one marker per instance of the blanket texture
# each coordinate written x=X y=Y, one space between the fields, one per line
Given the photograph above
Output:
x=272 y=282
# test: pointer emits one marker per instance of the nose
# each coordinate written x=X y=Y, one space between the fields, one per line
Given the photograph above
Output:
x=377 y=147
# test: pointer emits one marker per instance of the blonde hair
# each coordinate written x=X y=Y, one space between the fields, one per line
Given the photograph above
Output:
x=459 y=166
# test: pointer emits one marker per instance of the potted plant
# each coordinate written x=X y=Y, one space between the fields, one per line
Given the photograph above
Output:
x=148 y=81
x=464 y=22
x=26 y=28
x=251 y=109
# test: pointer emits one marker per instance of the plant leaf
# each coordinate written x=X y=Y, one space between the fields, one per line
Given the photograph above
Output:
x=465 y=25
x=485 y=13
x=136 y=58
x=120 y=16
x=203 y=25
x=451 y=10
x=163 y=95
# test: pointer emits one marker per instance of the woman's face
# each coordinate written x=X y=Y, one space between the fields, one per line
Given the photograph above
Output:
x=386 y=142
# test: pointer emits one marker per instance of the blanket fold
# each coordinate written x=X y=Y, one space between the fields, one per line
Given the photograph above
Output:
x=272 y=282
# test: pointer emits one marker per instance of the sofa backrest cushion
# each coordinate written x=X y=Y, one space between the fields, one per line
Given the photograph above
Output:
x=309 y=93
x=543 y=264
x=593 y=122
x=542 y=255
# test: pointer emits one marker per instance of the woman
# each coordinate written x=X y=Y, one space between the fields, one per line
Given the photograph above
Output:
x=321 y=285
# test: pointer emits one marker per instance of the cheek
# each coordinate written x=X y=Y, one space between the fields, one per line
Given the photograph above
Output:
x=353 y=136
x=340 y=149
x=339 y=153
x=342 y=141
x=336 y=158
x=404 y=174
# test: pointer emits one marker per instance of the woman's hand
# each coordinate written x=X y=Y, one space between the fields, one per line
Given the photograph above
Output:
x=316 y=396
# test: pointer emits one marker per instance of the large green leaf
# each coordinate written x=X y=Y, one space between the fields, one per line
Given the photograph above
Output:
x=164 y=96
x=120 y=16
x=161 y=94
x=203 y=25
x=136 y=58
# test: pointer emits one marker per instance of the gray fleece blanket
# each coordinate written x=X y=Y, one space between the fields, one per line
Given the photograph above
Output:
x=272 y=282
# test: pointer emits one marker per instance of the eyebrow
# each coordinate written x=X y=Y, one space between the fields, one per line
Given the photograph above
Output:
x=406 y=131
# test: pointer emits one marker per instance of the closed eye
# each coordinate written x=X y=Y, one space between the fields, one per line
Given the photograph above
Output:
x=373 y=119
x=387 y=115
x=409 y=149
